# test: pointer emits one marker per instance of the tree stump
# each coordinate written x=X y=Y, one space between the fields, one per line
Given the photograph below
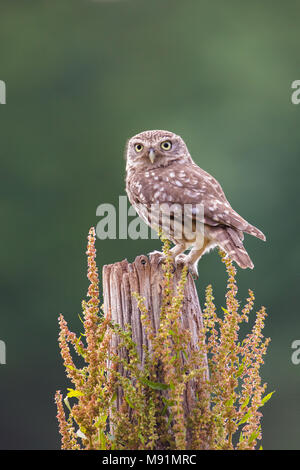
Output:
x=145 y=276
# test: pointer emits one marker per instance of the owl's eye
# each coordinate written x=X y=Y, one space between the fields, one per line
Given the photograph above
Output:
x=138 y=147
x=166 y=145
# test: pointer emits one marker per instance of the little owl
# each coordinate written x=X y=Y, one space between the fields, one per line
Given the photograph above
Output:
x=163 y=181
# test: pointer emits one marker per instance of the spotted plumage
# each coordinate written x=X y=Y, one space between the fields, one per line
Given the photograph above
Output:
x=160 y=173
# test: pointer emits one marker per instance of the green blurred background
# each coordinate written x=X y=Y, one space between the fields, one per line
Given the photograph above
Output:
x=82 y=76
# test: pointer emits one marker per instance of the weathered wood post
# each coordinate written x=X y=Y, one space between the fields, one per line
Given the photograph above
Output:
x=145 y=276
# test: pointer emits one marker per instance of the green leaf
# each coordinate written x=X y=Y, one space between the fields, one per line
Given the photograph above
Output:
x=169 y=420
x=245 y=402
x=245 y=418
x=101 y=421
x=74 y=393
x=129 y=402
x=102 y=440
x=240 y=371
x=266 y=398
x=167 y=403
x=225 y=310
x=154 y=385
x=253 y=436
x=229 y=402
x=79 y=348
x=173 y=358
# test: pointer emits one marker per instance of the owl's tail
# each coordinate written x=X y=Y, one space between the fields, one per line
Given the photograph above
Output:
x=231 y=242
x=255 y=232
x=241 y=224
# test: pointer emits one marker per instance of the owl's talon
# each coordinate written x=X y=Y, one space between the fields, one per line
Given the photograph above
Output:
x=155 y=253
x=162 y=259
x=161 y=256
x=192 y=269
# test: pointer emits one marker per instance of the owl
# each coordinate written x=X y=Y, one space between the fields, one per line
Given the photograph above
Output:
x=164 y=183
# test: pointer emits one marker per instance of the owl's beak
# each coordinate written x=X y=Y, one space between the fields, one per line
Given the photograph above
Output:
x=152 y=155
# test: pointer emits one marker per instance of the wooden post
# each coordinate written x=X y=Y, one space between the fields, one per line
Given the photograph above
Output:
x=145 y=276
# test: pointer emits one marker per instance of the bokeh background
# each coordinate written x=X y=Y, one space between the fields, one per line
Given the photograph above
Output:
x=82 y=76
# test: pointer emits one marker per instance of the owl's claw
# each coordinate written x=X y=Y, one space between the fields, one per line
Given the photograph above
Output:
x=161 y=259
x=192 y=268
x=178 y=261
x=156 y=252
x=182 y=260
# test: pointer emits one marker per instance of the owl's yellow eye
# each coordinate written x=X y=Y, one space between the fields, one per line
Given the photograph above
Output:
x=166 y=145
x=138 y=147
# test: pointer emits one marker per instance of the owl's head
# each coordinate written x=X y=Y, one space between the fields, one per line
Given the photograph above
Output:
x=154 y=149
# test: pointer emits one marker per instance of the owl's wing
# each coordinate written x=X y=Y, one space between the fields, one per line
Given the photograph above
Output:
x=203 y=188
x=201 y=194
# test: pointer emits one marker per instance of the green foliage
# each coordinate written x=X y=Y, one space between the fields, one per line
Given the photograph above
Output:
x=122 y=404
